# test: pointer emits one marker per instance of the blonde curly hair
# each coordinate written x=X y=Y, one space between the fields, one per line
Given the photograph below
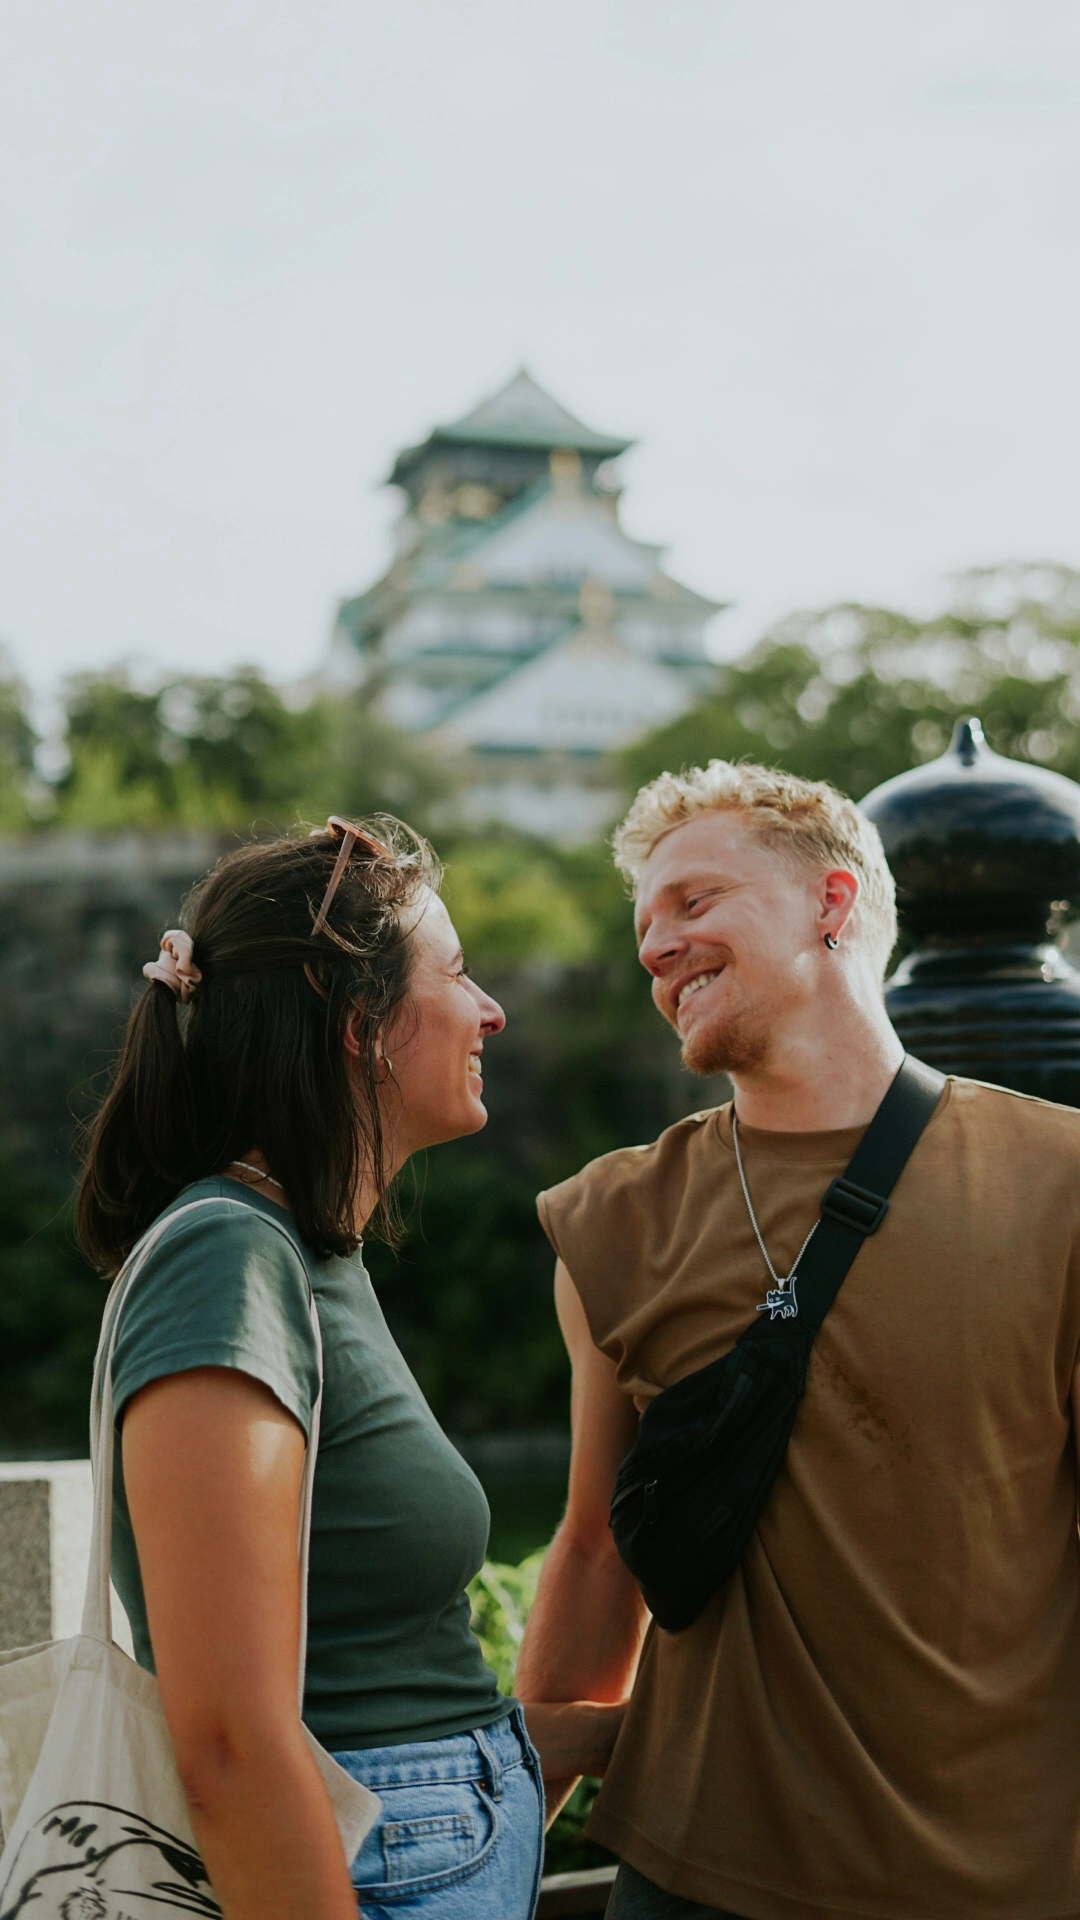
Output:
x=807 y=821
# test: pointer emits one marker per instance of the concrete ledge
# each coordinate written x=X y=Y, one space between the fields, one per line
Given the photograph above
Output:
x=66 y=854
x=46 y=1513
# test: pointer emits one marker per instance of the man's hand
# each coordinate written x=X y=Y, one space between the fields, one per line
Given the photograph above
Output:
x=574 y=1737
x=586 y=1626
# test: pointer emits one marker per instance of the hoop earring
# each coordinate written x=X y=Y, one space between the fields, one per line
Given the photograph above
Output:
x=389 y=1065
x=831 y=943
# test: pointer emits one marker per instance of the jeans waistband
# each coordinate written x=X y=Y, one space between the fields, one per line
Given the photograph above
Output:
x=485 y=1753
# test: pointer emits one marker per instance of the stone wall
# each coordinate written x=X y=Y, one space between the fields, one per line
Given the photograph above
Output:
x=79 y=914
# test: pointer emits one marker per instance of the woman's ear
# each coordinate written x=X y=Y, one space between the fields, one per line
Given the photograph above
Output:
x=353 y=1026
x=353 y=1036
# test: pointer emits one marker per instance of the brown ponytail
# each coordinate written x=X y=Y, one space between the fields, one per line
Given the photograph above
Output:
x=257 y=1057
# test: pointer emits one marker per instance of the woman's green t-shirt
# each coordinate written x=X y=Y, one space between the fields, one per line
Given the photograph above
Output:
x=399 y=1522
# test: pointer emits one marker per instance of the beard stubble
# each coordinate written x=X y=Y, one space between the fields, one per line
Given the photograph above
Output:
x=736 y=1045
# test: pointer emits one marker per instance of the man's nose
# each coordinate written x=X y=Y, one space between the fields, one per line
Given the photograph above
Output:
x=658 y=947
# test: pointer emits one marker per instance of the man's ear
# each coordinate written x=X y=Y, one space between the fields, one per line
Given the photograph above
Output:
x=838 y=892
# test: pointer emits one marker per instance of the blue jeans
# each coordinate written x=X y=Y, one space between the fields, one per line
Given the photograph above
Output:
x=461 y=1833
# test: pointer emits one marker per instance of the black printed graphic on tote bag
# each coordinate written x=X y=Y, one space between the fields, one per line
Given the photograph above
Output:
x=86 y=1861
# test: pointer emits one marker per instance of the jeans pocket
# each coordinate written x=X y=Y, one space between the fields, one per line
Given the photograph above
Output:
x=423 y=1849
x=429 y=1836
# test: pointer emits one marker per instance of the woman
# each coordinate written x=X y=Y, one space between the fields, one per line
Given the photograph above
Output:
x=314 y=1028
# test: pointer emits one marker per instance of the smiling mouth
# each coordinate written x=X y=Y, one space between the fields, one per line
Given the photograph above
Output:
x=692 y=986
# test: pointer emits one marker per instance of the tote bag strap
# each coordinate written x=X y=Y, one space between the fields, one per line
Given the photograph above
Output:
x=97 y=1606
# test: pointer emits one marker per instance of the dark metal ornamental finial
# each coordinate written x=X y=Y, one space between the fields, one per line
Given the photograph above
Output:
x=968 y=738
x=985 y=853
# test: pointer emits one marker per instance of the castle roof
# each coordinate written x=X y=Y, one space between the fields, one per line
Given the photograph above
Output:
x=521 y=414
x=548 y=537
x=585 y=693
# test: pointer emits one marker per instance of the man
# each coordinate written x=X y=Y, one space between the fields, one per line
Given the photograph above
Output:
x=878 y=1718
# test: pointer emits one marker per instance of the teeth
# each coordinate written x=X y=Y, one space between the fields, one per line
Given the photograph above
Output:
x=700 y=980
x=474 y=1064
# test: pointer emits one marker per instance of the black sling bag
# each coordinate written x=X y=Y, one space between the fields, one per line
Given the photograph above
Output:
x=693 y=1486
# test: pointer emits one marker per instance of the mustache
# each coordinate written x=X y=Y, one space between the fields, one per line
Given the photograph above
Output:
x=716 y=960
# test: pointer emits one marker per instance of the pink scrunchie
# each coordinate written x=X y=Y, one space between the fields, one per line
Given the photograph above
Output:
x=174 y=966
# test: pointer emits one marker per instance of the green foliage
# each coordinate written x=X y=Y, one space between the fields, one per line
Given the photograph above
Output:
x=468 y=1297
x=511 y=902
x=198 y=752
x=17 y=742
x=583 y=1066
x=501 y=1598
x=361 y=765
x=50 y=1318
x=219 y=752
x=567 y=1850
x=857 y=694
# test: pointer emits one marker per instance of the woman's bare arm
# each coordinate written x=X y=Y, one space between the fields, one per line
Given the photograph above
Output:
x=212 y=1469
x=585 y=1630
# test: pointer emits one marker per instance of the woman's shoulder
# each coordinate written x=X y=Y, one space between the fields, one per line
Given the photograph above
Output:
x=220 y=1282
x=218 y=1202
x=218 y=1239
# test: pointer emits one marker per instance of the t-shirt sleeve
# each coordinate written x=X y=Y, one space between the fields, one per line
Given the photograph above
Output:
x=224 y=1287
x=549 y=1216
x=590 y=1221
x=582 y=1215
x=619 y=1224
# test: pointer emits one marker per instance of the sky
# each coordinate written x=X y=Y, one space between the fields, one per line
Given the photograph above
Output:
x=821 y=260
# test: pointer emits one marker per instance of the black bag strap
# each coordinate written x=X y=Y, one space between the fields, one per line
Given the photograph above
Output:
x=855 y=1205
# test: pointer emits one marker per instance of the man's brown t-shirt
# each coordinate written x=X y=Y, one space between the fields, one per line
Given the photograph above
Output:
x=880 y=1714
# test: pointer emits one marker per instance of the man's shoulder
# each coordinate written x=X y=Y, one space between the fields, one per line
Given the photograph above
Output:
x=1024 y=1149
x=629 y=1166
x=978 y=1103
x=628 y=1175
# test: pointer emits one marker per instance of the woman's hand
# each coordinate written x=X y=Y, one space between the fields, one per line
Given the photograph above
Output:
x=212 y=1470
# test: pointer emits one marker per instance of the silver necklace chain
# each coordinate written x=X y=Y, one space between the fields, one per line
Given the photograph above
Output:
x=267 y=1177
x=777 y=1279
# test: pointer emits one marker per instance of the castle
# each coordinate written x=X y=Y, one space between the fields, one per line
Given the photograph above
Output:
x=519 y=629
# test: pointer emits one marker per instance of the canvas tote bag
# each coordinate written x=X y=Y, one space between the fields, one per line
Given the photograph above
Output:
x=94 y=1817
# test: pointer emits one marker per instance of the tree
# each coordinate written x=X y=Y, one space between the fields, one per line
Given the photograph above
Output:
x=229 y=751
x=17 y=743
x=367 y=766
x=50 y=1315
x=855 y=694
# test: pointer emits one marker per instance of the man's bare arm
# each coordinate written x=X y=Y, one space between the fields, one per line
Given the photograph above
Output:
x=585 y=1630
